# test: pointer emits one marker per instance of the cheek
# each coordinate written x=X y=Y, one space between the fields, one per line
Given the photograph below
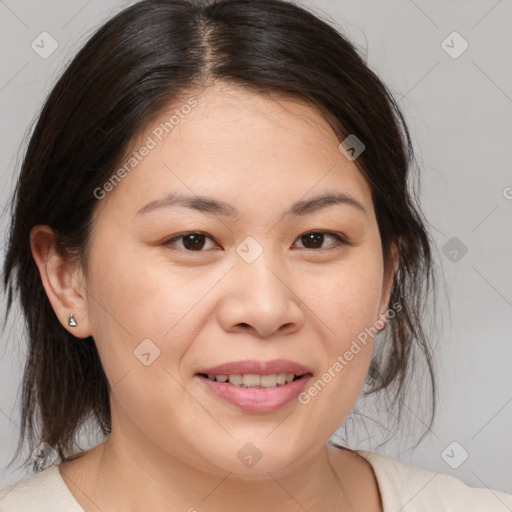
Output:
x=139 y=298
x=347 y=299
x=344 y=308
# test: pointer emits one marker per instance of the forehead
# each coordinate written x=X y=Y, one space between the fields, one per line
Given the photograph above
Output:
x=243 y=146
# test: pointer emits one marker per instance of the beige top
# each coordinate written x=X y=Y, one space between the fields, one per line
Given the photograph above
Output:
x=403 y=488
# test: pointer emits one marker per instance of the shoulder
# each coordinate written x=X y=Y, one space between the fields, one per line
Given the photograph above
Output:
x=412 y=489
x=41 y=492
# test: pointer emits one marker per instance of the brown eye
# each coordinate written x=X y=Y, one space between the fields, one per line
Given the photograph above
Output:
x=193 y=241
x=316 y=239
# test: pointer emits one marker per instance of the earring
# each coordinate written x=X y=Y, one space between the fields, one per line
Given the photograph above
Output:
x=71 y=320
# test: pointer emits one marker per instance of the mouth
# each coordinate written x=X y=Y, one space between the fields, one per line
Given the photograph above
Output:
x=256 y=386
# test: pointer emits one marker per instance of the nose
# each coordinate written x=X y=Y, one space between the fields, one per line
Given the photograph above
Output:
x=260 y=298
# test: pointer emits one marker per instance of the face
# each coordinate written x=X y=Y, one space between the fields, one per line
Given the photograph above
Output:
x=255 y=272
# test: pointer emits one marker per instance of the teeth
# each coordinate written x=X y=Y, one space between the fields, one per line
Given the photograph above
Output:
x=252 y=380
x=268 y=381
x=236 y=380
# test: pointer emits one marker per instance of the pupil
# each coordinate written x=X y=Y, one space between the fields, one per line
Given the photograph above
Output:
x=193 y=241
x=315 y=238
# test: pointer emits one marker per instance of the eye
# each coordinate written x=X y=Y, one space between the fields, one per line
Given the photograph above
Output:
x=316 y=239
x=196 y=241
x=193 y=241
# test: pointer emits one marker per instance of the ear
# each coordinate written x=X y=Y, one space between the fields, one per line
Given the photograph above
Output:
x=389 y=277
x=63 y=281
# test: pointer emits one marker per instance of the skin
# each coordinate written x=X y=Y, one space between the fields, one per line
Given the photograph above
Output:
x=173 y=444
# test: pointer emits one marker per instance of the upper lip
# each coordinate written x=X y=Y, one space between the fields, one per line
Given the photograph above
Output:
x=256 y=367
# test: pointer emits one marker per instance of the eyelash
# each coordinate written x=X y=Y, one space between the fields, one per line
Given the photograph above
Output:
x=340 y=240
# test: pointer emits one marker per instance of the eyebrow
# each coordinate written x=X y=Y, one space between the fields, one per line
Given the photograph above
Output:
x=213 y=206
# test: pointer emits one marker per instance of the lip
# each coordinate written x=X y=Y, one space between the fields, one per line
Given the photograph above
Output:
x=257 y=400
x=256 y=367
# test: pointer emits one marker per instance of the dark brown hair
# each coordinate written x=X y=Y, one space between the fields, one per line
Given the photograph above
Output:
x=148 y=55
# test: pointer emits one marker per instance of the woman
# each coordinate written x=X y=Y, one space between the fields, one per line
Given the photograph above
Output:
x=211 y=225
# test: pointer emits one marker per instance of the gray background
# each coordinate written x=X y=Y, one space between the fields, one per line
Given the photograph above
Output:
x=459 y=110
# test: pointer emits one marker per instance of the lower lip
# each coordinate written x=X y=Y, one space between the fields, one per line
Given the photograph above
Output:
x=257 y=399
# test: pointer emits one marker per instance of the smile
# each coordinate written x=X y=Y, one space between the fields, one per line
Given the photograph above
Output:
x=266 y=396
